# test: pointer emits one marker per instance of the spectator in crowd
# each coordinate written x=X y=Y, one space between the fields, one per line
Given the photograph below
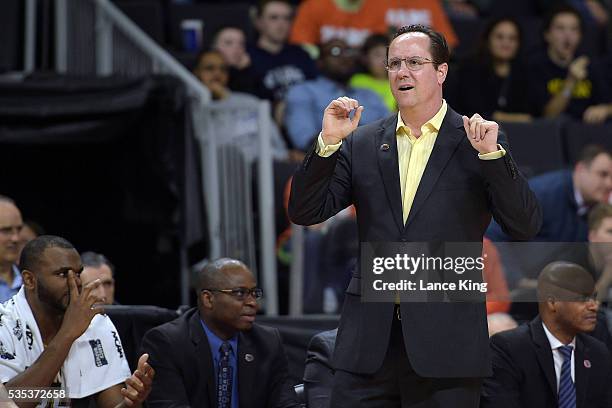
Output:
x=550 y=362
x=215 y=355
x=374 y=53
x=600 y=248
x=566 y=196
x=499 y=322
x=561 y=81
x=466 y=9
x=97 y=266
x=276 y=64
x=29 y=231
x=492 y=82
x=10 y=227
x=239 y=128
x=230 y=41
x=307 y=101
x=319 y=372
x=54 y=333
x=600 y=224
x=319 y=21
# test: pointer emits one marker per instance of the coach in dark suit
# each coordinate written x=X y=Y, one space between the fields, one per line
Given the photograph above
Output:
x=550 y=362
x=455 y=172
x=188 y=352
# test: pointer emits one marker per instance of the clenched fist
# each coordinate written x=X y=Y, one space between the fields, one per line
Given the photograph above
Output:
x=481 y=133
x=337 y=124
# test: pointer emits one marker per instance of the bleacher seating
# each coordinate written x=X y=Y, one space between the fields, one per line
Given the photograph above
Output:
x=529 y=140
x=11 y=27
x=148 y=15
x=577 y=134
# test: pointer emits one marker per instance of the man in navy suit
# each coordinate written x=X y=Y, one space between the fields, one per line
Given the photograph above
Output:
x=566 y=197
x=214 y=356
x=426 y=174
x=551 y=362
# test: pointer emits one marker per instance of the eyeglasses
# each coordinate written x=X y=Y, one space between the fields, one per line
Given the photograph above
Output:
x=412 y=63
x=240 y=293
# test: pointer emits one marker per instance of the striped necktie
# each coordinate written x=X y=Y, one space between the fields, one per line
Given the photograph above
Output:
x=224 y=377
x=567 y=390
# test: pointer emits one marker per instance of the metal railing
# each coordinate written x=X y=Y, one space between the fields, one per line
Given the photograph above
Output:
x=93 y=37
x=229 y=134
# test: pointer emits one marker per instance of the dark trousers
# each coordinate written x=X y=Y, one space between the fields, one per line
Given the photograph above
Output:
x=396 y=384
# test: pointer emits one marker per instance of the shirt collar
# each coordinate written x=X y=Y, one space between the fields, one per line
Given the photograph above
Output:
x=435 y=122
x=17 y=281
x=582 y=207
x=554 y=342
x=215 y=341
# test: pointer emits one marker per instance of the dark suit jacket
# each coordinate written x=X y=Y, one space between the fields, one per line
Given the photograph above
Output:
x=561 y=222
x=454 y=201
x=524 y=372
x=319 y=373
x=184 y=371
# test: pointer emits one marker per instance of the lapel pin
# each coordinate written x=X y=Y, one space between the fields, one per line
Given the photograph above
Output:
x=587 y=363
x=384 y=147
x=249 y=357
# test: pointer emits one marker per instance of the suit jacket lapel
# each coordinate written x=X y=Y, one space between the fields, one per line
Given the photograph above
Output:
x=204 y=357
x=544 y=354
x=247 y=371
x=581 y=372
x=449 y=137
x=389 y=167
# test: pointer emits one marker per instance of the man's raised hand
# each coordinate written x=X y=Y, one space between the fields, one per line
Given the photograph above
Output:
x=337 y=124
x=83 y=306
x=138 y=386
x=481 y=133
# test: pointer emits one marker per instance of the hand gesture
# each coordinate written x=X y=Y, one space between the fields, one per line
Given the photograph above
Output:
x=481 y=133
x=597 y=114
x=578 y=68
x=337 y=124
x=139 y=384
x=82 y=307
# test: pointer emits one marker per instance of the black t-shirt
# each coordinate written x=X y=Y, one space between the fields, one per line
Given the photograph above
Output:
x=546 y=79
x=476 y=88
x=242 y=80
x=275 y=73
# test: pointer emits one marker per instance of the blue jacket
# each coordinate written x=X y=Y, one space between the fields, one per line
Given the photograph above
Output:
x=561 y=222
